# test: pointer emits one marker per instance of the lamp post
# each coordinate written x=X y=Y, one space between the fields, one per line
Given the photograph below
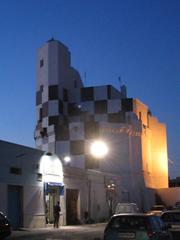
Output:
x=98 y=149
x=111 y=192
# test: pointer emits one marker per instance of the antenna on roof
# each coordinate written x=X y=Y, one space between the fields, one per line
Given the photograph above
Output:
x=85 y=77
x=122 y=88
x=120 y=81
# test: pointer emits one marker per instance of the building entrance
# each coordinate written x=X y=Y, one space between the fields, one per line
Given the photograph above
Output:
x=72 y=206
x=15 y=206
x=51 y=199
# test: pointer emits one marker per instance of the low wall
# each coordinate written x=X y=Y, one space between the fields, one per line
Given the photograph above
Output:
x=169 y=195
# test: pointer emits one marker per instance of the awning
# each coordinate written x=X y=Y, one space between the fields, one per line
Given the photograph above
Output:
x=54 y=184
x=48 y=185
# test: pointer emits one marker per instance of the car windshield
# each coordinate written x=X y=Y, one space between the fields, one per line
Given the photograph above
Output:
x=171 y=217
x=125 y=208
x=129 y=222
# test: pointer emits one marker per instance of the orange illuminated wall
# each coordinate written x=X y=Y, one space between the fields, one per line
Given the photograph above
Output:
x=159 y=154
x=153 y=147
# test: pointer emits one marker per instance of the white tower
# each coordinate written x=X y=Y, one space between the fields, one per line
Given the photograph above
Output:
x=55 y=77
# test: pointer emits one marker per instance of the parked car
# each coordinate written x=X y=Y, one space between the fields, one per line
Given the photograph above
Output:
x=157 y=209
x=126 y=208
x=136 y=226
x=172 y=218
x=5 y=228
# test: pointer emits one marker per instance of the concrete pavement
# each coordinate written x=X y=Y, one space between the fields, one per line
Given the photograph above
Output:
x=82 y=228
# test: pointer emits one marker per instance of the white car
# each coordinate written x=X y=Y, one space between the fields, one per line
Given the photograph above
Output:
x=126 y=208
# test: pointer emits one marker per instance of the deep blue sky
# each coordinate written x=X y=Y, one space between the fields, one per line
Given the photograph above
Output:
x=138 y=40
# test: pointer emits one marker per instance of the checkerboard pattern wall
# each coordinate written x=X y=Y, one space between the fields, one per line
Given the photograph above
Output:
x=67 y=118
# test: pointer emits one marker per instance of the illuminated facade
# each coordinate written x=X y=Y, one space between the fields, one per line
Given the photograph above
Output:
x=154 y=147
x=70 y=117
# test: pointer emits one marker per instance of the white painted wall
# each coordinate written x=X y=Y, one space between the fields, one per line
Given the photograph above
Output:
x=13 y=155
x=33 y=204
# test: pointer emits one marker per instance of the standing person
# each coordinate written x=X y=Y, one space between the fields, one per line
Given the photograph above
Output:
x=57 y=210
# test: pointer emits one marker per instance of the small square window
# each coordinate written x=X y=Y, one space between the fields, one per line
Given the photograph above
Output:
x=53 y=92
x=41 y=63
x=15 y=170
x=39 y=177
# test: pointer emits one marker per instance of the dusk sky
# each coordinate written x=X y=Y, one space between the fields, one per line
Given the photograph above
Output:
x=137 y=40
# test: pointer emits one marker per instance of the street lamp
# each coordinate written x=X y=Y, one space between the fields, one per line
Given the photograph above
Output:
x=67 y=159
x=111 y=194
x=98 y=149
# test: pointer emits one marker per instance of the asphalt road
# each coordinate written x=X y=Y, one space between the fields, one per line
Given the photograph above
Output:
x=83 y=232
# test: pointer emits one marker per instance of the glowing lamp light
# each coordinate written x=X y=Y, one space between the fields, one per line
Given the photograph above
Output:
x=67 y=159
x=98 y=149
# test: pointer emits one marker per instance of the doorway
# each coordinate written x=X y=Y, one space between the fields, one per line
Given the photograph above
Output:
x=72 y=206
x=15 y=206
x=51 y=199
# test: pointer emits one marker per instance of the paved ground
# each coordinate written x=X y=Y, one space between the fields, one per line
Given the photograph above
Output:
x=81 y=232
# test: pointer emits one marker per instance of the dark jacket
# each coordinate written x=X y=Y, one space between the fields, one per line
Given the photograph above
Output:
x=57 y=209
